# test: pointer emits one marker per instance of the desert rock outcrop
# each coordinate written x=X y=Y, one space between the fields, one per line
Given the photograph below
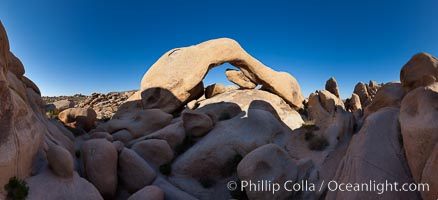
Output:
x=430 y=176
x=375 y=156
x=366 y=92
x=50 y=187
x=105 y=105
x=175 y=139
x=100 y=165
x=131 y=125
x=23 y=123
x=60 y=161
x=80 y=118
x=196 y=123
x=154 y=151
x=268 y=162
x=214 y=89
x=420 y=70
x=62 y=105
x=189 y=65
x=332 y=86
x=418 y=116
x=389 y=95
x=230 y=103
x=134 y=172
x=238 y=78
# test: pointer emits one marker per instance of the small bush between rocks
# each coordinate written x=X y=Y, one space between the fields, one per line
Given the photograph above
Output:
x=52 y=114
x=318 y=143
x=16 y=189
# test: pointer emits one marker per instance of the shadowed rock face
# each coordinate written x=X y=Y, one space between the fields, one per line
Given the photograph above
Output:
x=24 y=128
x=181 y=70
x=375 y=153
x=245 y=98
x=20 y=132
x=268 y=162
x=419 y=127
x=5 y=96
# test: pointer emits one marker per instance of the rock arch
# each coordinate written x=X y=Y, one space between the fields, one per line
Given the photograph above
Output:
x=180 y=72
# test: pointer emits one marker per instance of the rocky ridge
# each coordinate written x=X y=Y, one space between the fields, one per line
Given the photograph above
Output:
x=105 y=105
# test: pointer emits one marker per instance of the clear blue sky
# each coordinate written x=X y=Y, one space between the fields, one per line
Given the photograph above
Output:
x=82 y=46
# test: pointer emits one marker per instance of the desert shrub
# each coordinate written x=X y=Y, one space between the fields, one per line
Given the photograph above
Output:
x=166 y=169
x=16 y=189
x=318 y=143
x=52 y=114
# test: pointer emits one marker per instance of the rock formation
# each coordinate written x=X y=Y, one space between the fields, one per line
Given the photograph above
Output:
x=62 y=105
x=421 y=70
x=366 y=92
x=268 y=162
x=189 y=65
x=25 y=129
x=375 y=156
x=238 y=100
x=239 y=79
x=430 y=176
x=418 y=126
x=174 y=139
x=80 y=118
x=389 y=95
x=105 y=105
x=332 y=86
x=100 y=165
x=214 y=89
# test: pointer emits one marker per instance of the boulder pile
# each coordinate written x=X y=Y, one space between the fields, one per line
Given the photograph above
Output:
x=105 y=105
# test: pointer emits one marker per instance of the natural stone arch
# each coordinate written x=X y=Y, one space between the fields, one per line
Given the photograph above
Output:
x=179 y=73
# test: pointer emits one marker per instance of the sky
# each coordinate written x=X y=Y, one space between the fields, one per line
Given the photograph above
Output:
x=83 y=46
